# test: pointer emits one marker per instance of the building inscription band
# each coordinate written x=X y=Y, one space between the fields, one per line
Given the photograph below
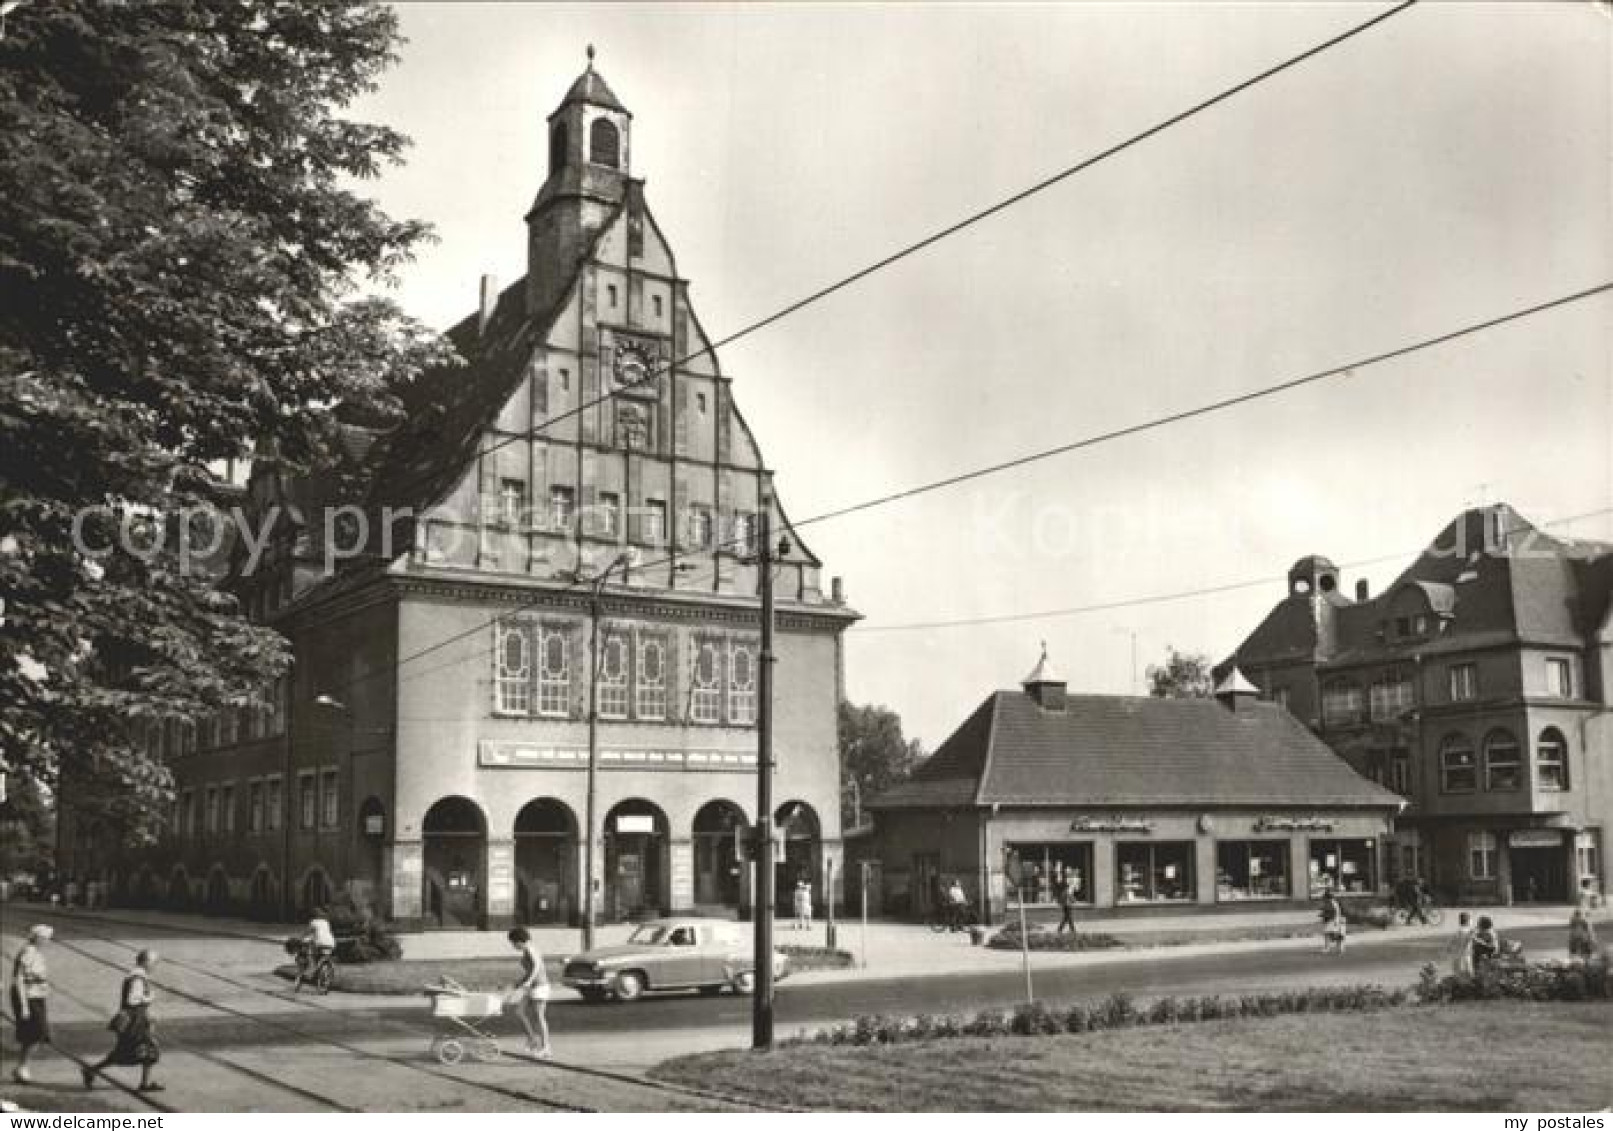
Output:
x=526 y=756
x=1293 y=824
x=1111 y=825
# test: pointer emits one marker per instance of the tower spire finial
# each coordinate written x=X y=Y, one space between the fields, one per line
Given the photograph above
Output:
x=590 y=56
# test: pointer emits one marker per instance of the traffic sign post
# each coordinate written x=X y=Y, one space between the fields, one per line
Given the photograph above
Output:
x=1017 y=872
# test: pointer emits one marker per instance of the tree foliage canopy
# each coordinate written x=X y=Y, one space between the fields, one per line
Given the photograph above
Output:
x=873 y=753
x=181 y=255
x=1183 y=675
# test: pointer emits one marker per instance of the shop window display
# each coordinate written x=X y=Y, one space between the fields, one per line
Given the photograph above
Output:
x=1251 y=869
x=1344 y=866
x=1053 y=867
x=1154 y=873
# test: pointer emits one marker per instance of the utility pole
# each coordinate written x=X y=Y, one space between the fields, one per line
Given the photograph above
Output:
x=595 y=601
x=762 y=1005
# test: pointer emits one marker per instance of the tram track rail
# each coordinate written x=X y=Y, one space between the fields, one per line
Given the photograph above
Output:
x=402 y=1028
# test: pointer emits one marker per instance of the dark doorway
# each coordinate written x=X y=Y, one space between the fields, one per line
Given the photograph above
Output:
x=545 y=863
x=718 y=872
x=635 y=861
x=1539 y=874
x=455 y=850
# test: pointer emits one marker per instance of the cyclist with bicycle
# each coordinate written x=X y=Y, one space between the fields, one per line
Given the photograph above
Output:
x=318 y=948
x=1412 y=897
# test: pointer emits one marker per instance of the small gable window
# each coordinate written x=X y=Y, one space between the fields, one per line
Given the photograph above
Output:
x=604 y=144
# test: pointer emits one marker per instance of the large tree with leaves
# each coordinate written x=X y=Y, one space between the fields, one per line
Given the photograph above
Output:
x=1183 y=675
x=874 y=754
x=184 y=256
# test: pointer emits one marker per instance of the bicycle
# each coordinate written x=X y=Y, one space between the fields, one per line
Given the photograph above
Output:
x=952 y=917
x=316 y=968
x=1433 y=915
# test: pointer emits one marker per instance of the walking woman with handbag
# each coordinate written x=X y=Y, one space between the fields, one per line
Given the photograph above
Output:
x=30 y=997
x=531 y=995
x=137 y=1041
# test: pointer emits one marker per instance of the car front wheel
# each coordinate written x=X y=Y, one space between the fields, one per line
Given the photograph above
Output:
x=745 y=983
x=629 y=985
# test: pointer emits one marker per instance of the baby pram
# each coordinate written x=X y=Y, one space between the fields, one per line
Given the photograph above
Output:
x=460 y=1009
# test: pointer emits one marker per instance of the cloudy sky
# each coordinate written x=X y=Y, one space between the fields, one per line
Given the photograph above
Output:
x=1445 y=167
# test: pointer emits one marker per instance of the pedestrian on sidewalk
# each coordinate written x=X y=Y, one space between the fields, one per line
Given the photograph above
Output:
x=532 y=994
x=1461 y=948
x=1581 y=937
x=1067 y=907
x=1486 y=943
x=1333 y=929
x=803 y=905
x=30 y=998
x=136 y=1044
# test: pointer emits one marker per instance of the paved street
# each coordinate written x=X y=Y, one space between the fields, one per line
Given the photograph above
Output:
x=235 y=1039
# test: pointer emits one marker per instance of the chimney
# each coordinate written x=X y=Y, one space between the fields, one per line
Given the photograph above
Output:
x=489 y=301
x=1044 y=688
x=837 y=591
x=1362 y=590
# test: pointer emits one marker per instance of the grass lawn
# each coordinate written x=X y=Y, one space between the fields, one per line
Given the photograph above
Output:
x=1491 y=1056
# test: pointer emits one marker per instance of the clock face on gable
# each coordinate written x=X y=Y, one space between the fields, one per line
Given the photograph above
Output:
x=635 y=363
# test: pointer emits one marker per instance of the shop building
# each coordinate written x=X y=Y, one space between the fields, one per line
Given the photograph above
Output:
x=1477 y=687
x=1132 y=803
x=428 y=753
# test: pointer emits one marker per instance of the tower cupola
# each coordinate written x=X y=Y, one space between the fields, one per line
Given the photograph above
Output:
x=590 y=146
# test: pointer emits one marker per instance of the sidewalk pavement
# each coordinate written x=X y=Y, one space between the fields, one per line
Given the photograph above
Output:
x=884 y=949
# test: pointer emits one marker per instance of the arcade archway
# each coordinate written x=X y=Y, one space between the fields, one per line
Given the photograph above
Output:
x=454 y=835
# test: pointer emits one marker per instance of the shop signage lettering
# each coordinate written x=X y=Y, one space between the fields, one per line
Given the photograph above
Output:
x=1111 y=825
x=1293 y=824
x=1535 y=838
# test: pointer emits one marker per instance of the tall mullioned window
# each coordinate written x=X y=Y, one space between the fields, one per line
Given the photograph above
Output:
x=741 y=684
x=1341 y=703
x=1551 y=760
x=1464 y=682
x=613 y=676
x=512 y=678
x=554 y=673
x=705 y=686
x=651 y=683
x=1458 y=766
x=1503 y=762
x=1391 y=697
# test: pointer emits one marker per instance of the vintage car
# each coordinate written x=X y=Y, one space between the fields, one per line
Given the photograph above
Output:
x=671 y=954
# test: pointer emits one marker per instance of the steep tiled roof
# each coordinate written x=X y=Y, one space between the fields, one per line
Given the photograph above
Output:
x=448 y=410
x=1119 y=750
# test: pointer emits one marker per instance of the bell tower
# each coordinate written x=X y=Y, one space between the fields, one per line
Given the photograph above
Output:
x=589 y=146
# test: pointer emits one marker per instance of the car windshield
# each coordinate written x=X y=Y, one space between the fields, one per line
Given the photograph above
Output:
x=650 y=934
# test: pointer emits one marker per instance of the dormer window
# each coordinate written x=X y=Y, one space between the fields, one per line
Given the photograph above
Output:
x=604 y=144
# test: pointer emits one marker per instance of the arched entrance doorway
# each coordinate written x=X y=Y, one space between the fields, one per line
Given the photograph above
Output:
x=719 y=874
x=367 y=861
x=455 y=850
x=179 y=889
x=635 y=860
x=261 y=900
x=218 y=891
x=798 y=825
x=545 y=868
x=316 y=892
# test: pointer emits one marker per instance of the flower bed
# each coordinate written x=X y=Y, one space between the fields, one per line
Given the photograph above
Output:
x=1118 y=1011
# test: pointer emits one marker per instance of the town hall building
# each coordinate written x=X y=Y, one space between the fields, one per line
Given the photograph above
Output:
x=428 y=754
